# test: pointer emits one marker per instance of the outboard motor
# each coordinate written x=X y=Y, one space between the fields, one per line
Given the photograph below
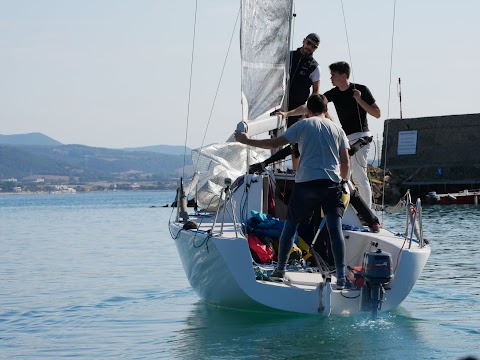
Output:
x=377 y=270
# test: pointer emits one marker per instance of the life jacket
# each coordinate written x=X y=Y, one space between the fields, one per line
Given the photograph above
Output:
x=262 y=253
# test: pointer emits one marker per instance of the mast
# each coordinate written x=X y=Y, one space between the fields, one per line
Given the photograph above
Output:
x=288 y=59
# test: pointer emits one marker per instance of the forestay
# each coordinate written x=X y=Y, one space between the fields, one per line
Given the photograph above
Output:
x=264 y=45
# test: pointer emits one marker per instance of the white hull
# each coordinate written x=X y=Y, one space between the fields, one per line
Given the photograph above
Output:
x=220 y=270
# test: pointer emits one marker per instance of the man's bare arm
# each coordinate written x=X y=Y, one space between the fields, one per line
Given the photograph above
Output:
x=373 y=109
x=344 y=164
x=301 y=110
x=273 y=143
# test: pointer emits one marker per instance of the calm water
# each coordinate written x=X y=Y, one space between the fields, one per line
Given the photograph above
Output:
x=97 y=276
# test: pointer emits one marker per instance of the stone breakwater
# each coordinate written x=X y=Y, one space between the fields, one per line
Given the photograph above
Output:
x=385 y=181
x=395 y=185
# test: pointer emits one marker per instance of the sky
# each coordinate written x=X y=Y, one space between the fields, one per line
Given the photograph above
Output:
x=117 y=73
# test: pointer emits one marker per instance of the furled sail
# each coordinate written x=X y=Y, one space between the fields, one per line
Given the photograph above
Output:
x=215 y=163
x=264 y=43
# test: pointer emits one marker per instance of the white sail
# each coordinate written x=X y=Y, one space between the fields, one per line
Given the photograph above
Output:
x=264 y=42
x=264 y=39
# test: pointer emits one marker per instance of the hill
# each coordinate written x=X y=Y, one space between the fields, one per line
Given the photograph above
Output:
x=87 y=163
x=28 y=157
x=16 y=162
x=41 y=139
x=28 y=139
x=163 y=149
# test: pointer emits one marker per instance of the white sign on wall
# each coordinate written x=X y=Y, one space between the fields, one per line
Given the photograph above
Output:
x=407 y=142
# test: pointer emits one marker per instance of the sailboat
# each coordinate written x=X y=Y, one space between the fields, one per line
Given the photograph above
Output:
x=213 y=240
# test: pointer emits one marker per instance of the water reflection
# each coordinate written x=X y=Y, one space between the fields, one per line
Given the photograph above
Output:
x=438 y=320
x=217 y=333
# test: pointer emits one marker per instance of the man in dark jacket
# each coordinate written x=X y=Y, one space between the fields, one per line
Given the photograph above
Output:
x=304 y=74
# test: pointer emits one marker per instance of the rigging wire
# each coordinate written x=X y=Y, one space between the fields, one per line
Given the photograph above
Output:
x=389 y=92
x=190 y=89
x=385 y=135
x=216 y=93
x=353 y=76
x=221 y=76
x=351 y=60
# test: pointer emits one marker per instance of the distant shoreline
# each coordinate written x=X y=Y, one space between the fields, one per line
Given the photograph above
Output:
x=78 y=192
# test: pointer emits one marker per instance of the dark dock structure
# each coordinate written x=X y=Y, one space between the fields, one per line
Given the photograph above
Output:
x=438 y=153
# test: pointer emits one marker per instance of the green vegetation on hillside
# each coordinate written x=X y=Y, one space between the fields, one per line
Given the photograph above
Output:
x=78 y=164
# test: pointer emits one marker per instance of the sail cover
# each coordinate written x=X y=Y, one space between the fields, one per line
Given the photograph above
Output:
x=264 y=38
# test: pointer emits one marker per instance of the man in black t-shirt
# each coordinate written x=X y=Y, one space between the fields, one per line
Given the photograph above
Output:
x=353 y=102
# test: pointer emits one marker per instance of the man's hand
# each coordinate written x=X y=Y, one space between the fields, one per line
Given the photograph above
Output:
x=357 y=94
x=241 y=137
x=372 y=109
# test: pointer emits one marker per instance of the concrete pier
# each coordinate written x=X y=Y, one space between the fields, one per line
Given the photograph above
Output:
x=438 y=153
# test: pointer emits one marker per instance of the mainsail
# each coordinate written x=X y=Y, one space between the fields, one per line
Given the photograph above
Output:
x=264 y=44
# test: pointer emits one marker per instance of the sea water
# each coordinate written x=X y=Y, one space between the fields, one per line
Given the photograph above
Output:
x=97 y=276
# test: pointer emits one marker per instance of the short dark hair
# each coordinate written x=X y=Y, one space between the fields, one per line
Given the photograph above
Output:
x=317 y=104
x=341 y=67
